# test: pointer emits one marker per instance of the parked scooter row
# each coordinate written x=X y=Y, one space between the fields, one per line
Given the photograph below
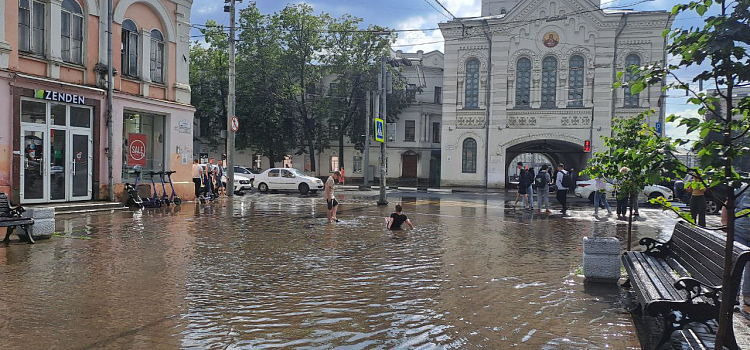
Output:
x=155 y=201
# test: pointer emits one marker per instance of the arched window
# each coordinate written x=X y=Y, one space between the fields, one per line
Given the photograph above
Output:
x=72 y=32
x=549 y=82
x=129 y=48
x=502 y=11
x=469 y=156
x=472 y=84
x=631 y=60
x=523 y=82
x=157 y=56
x=575 y=82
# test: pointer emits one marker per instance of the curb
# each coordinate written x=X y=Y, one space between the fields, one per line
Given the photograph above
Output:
x=439 y=190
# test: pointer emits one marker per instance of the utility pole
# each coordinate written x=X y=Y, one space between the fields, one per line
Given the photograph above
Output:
x=367 y=138
x=230 y=99
x=110 y=84
x=383 y=114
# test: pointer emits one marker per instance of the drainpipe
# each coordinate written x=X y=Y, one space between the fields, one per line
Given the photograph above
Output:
x=620 y=28
x=488 y=106
x=110 y=83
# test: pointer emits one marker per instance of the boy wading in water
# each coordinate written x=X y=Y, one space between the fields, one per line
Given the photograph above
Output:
x=397 y=219
x=333 y=205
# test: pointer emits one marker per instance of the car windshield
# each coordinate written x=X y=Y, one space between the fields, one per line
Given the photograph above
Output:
x=241 y=170
x=296 y=172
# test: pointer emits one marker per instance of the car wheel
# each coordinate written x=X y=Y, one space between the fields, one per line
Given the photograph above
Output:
x=304 y=188
x=655 y=195
x=591 y=197
x=263 y=187
x=711 y=206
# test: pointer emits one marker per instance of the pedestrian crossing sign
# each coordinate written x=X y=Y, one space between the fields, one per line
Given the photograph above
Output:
x=379 y=130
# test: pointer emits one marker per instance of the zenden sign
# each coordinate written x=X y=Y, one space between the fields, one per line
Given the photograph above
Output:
x=59 y=96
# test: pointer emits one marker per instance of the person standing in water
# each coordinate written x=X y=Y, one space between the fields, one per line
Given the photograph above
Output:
x=397 y=219
x=330 y=199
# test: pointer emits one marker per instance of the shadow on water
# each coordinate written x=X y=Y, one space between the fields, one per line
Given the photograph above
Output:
x=266 y=271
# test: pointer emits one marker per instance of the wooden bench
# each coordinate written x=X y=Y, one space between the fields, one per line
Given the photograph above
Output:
x=11 y=218
x=680 y=280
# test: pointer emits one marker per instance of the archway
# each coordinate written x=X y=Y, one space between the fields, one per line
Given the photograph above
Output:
x=547 y=151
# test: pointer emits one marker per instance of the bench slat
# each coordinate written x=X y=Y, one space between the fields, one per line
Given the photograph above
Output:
x=665 y=289
x=667 y=276
x=654 y=288
x=707 y=251
x=692 y=259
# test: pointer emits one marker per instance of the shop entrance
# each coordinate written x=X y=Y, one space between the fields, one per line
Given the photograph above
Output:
x=57 y=146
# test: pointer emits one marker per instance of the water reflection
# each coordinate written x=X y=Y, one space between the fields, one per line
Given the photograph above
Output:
x=267 y=272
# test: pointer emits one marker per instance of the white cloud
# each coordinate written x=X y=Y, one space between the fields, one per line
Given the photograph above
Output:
x=675 y=131
x=207 y=9
x=433 y=40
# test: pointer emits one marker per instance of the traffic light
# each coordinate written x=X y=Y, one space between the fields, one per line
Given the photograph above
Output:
x=587 y=146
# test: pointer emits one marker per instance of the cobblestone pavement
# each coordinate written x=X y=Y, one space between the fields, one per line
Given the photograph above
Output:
x=266 y=271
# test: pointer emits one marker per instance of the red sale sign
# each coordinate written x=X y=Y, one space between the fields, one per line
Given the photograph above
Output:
x=137 y=150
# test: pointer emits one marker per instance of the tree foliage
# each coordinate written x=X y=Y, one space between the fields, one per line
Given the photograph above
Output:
x=282 y=60
x=719 y=50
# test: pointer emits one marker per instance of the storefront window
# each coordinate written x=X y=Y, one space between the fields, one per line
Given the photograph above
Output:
x=58 y=114
x=80 y=117
x=142 y=144
x=33 y=112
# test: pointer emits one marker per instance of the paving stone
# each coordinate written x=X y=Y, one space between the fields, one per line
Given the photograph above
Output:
x=39 y=213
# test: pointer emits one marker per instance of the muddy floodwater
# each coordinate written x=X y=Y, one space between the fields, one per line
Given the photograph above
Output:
x=265 y=271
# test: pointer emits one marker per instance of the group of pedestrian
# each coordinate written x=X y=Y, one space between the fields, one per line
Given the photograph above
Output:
x=528 y=181
x=208 y=179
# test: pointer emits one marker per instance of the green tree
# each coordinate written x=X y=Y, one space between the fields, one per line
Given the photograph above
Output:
x=261 y=101
x=209 y=81
x=638 y=147
x=719 y=50
x=303 y=38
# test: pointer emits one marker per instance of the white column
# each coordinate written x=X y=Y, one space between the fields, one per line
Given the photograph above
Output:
x=536 y=89
x=5 y=48
x=144 y=59
x=562 y=84
x=103 y=34
x=53 y=37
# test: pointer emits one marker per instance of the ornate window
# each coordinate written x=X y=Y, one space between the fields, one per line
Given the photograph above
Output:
x=469 y=156
x=472 y=84
x=523 y=82
x=549 y=82
x=575 y=82
x=157 y=56
x=631 y=60
x=31 y=26
x=129 y=48
x=72 y=32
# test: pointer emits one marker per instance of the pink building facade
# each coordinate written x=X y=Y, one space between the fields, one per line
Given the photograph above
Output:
x=53 y=127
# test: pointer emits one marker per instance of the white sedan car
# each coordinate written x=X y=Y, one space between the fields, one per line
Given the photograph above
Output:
x=585 y=189
x=287 y=179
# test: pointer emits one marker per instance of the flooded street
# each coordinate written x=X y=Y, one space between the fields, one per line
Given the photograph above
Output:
x=265 y=271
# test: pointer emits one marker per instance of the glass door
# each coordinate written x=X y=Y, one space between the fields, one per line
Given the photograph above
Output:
x=81 y=157
x=34 y=184
x=58 y=181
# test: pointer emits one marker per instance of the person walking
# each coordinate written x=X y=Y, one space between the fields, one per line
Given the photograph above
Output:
x=333 y=205
x=530 y=188
x=197 y=178
x=543 y=181
x=600 y=195
x=697 y=202
x=521 y=185
x=622 y=197
x=562 y=183
x=397 y=219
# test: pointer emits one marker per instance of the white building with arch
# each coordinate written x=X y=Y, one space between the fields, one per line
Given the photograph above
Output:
x=536 y=77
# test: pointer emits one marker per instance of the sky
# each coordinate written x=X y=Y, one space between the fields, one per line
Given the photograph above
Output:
x=410 y=14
